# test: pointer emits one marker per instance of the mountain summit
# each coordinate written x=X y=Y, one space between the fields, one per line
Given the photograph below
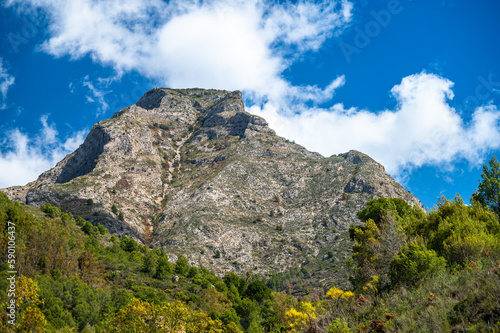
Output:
x=191 y=172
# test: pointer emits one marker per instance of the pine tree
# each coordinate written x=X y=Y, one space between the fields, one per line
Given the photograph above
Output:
x=488 y=192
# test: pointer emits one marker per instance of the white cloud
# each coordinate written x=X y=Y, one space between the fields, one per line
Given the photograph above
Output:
x=307 y=24
x=6 y=81
x=224 y=44
x=313 y=93
x=97 y=95
x=247 y=45
x=422 y=130
x=25 y=158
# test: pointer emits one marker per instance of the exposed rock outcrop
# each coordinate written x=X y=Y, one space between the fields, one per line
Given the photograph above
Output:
x=192 y=172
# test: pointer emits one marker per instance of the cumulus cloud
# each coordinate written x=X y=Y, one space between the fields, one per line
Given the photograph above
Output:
x=6 y=81
x=422 y=130
x=24 y=157
x=247 y=45
x=223 y=44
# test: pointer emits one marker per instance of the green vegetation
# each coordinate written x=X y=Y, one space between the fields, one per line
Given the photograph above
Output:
x=73 y=277
x=410 y=271
x=488 y=193
x=114 y=209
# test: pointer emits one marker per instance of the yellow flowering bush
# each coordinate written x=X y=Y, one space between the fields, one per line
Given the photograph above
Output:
x=298 y=320
x=336 y=293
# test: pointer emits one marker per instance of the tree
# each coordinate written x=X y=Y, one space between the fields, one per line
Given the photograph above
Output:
x=182 y=265
x=258 y=291
x=148 y=263
x=163 y=268
x=460 y=232
x=32 y=319
x=375 y=245
x=114 y=209
x=488 y=192
x=377 y=209
x=128 y=244
x=193 y=272
x=415 y=262
x=102 y=230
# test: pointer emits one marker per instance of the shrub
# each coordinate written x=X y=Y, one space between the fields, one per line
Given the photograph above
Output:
x=193 y=272
x=339 y=326
x=128 y=244
x=181 y=265
x=459 y=232
x=80 y=221
x=51 y=211
x=258 y=291
x=89 y=229
x=163 y=268
x=102 y=230
x=414 y=263
x=148 y=263
x=376 y=209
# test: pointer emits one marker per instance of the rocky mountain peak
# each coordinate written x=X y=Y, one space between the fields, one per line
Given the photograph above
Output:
x=191 y=172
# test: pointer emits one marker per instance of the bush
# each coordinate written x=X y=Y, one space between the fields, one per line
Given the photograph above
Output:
x=80 y=221
x=51 y=211
x=377 y=208
x=128 y=244
x=459 y=232
x=258 y=291
x=181 y=265
x=148 y=263
x=339 y=326
x=163 y=268
x=102 y=230
x=193 y=272
x=415 y=263
x=89 y=229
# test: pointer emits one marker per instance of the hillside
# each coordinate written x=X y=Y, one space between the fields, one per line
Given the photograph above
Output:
x=75 y=277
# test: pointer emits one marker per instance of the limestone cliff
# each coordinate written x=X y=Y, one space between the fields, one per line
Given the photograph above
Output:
x=191 y=172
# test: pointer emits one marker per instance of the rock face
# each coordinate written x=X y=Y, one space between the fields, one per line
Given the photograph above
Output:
x=191 y=172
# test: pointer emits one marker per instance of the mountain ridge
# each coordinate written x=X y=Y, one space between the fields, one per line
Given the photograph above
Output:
x=191 y=172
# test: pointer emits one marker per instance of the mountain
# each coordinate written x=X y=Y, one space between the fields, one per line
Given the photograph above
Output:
x=191 y=172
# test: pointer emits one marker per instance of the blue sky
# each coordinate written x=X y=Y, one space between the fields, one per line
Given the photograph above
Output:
x=414 y=84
